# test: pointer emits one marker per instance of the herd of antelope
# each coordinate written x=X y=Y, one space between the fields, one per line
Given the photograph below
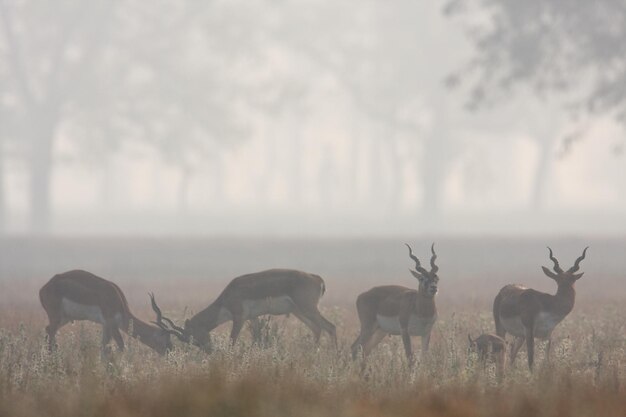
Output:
x=523 y=312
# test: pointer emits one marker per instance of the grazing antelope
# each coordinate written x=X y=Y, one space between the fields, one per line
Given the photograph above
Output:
x=488 y=346
x=528 y=314
x=396 y=310
x=276 y=292
x=81 y=295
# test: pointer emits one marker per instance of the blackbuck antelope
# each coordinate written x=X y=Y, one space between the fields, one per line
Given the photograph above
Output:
x=81 y=295
x=275 y=292
x=489 y=346
x=528 y=314
x=396 y=310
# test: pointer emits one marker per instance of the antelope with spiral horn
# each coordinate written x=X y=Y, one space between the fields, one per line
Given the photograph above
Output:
x=275 y=292
x=528 y=314
x=397 y=310
x=81 y=295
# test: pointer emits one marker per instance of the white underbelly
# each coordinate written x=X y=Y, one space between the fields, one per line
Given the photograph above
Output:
x=76 y=311
x=544 y=325
x=269 y=305
x=418 y=326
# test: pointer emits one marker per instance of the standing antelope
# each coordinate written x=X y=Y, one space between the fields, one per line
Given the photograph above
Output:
x=81 y=295
x=528 y=314
x=276 y=292
x=396 y=310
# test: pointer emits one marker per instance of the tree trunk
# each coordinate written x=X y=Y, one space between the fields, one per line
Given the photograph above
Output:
x=107 y=185
x=325 y=177
x=218 y=180
x=2 y=192
x=40 y=182
x=397 y=173
x=182 y=195
x=265 y=179
x=545 y=134
x=295 y=172
x=434 y=162
x=542 y=173
x=431 y=174
x=41 y=134
x=356 y=143
x=376 y=173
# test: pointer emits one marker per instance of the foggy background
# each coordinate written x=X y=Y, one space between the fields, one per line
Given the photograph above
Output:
x=312 y=118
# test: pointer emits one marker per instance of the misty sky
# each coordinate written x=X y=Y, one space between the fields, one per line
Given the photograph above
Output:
x=317 y=118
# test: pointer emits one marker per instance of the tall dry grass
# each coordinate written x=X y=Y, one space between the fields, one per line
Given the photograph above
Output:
x=276 y=370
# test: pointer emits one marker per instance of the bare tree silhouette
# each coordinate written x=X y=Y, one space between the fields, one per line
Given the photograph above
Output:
x=569 y=53
x=103 y=73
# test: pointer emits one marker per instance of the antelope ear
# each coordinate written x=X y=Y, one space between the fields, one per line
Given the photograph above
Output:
x=187 y=323
x=470 y=339
x=578 y=276
x=549 y=273
x=416 y=275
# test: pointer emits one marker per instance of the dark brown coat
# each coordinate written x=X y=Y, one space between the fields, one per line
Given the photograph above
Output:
x=81 y=295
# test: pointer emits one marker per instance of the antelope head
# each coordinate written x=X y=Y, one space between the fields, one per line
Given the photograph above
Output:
x=427 y=279
x=562 y=277
x=160 y=342
x=198 y=334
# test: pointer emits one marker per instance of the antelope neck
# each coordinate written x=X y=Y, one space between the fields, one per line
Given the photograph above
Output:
x=425 y=306
x=140 y=327
x=207 y=317
x=565 y=295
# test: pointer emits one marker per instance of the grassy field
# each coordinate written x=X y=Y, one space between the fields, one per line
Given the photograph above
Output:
x=275 y=369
